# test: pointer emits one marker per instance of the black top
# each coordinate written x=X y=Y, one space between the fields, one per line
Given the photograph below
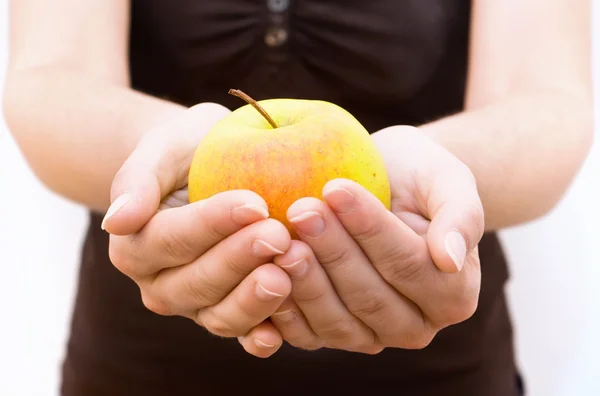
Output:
x=387 y=62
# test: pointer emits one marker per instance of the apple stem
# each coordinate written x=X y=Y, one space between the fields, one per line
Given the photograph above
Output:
x=253 y=103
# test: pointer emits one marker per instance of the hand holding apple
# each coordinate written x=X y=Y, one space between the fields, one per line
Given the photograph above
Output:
x=209 y=261
x=365 y=278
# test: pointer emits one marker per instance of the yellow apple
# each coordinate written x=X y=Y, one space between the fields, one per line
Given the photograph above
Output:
x=313 y=142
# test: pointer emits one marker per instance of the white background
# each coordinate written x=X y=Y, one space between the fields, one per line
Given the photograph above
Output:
x=554 y=292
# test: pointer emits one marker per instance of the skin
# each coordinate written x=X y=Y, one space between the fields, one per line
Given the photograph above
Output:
x=511 y=154
x=364 y=278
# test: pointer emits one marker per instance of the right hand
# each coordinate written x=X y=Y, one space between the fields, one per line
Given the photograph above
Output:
x=209 y=261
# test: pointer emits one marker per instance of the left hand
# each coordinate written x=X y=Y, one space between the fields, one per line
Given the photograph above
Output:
x=365 y=278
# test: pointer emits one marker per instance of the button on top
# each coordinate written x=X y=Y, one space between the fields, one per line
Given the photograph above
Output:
x=278 y=5
x=277 y=33
x=276 y=37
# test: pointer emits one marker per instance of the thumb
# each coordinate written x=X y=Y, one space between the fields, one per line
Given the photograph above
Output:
x=158 y=166
x=457 y=220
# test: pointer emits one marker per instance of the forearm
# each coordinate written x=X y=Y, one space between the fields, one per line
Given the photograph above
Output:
x=524 y=151
x=75 y=131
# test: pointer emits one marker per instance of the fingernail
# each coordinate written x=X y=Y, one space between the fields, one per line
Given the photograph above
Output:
x=248 y=213
x=340 y=199
x=285 y=316
x=310 y=224
x=115 y=206
x=261 y=344
x=296 y=269
x=266 y=294
x=456 y=248
x=261 y=248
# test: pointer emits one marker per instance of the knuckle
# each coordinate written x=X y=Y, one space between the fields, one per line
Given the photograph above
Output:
x=337 y=333
x=235 y=267
x=416 y=340
x=370 y=230
x=173 y=245
x=463 y=309
x=402 y=266
x=202 y=289
x=310 y=300
x=371 y=306
x=415 y=336
x=219 y=326
x=155 y=304
x=373 y=347
x=212 y=223
x=287 y=317
x=251 y=310
x=459 y=305
x=334 y=257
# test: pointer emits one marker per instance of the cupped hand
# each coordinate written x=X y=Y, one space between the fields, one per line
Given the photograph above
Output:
x=210 y=261
x=365 y=278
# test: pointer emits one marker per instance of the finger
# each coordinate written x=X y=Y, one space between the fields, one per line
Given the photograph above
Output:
x=394 y=249
x=380 y=234
x=293 y=326
x=457 y=219
x=401 y=256
x=249 y=304
x=262 y=341
x=179 y=235
x=327 y=318
x=211 y=277
x=157 y=166
x=445 y=189
x=363 y=291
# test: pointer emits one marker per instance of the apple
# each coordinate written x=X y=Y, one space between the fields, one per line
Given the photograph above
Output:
x=285 y=149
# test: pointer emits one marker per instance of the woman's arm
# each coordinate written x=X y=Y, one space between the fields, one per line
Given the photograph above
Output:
x=528 y=122
x=67 y=99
